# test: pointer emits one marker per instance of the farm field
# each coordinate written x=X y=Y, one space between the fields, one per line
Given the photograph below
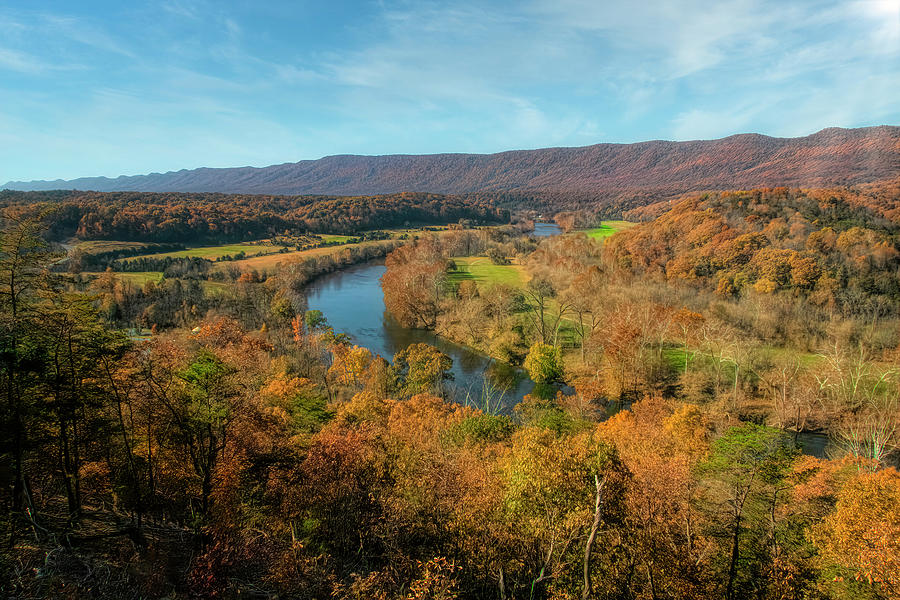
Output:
x=334 y=239
x=481 y=270
x=607 y=228
x=269 y=261
x=214 y=252
x=251 y=249
x=272 y=260
x=139 y=278
x=101 y=246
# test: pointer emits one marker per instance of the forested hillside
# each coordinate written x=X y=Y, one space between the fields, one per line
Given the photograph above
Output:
x=655 y=169
x=810 y=244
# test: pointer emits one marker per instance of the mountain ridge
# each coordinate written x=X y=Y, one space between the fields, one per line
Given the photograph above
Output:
x=830 y=157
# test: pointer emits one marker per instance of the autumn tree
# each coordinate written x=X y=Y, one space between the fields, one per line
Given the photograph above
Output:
x=585 y=296
x=544 y=364
x=413 y=283
x=862 y=536
x=562 y=496
x=540 y=293
x=422 y=368
x=661 y=444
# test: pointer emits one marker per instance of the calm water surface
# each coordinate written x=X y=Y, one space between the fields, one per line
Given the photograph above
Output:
x=353 y=303
x=546 y=229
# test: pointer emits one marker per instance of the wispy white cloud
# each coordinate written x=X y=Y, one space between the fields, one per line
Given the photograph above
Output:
x=430 y=75
x=23 y=62
x=14 y=60
x=82 y=31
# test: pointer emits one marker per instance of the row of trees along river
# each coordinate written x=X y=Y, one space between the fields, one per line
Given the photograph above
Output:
x=352 y=300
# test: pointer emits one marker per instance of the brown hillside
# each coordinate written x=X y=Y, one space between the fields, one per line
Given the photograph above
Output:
x=646 y=170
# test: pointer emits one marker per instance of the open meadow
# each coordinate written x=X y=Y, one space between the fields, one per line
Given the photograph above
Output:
x=216 y=252
x=607 y=228
x=482 y=271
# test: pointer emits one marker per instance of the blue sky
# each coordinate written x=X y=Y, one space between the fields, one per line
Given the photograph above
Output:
x=110 y=88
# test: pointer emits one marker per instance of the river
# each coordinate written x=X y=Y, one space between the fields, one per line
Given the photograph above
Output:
x=545 y=229
x=353 y=303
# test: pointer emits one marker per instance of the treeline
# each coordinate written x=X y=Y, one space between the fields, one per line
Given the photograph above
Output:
x=246 y=461
x=99 y=259
x=170 y=266
x=190 y=290
x=217 y=218
x=881 y=199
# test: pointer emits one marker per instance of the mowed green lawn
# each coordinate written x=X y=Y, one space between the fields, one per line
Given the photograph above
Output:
x=607 y=228
x=214 y=252
x=334 y=239
x=139 y=278
x=481 y=270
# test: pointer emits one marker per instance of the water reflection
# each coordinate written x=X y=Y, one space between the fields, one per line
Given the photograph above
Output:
x=546 y=229
x=353 y=302
x=814 y=444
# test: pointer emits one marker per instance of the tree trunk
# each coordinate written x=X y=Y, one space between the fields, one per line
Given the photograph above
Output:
x=589 y=545
x=67 y=469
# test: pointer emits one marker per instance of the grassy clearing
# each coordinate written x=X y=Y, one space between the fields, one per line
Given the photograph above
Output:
x=334 y=239
x=482 y=271
x=214 y=252
x=675 y=356
x=806 y=359
x=215 y=287
x=607 y=228
x=271 y=261
x=139 y=278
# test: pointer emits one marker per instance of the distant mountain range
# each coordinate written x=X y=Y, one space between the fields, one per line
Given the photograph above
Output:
x=831 y=157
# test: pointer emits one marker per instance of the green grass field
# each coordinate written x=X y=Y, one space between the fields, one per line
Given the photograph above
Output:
x=334 y=239
x=675 y=356
x=100 y=246
x=481 y=270
x=214 y=252
x=607 y=228
x=139 y=278
x=270 y=261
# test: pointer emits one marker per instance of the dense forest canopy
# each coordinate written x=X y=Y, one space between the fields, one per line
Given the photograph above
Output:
x=199 y=218
x=205 y=435
x=813 y=244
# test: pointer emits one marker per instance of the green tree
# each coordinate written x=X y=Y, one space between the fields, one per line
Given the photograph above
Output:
x=544 y=363
x=24 y=258
x=315 y=320
x=744 y=472
x=422 y=368
x=560 y=496
x=207 y=414
x=75 y=345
